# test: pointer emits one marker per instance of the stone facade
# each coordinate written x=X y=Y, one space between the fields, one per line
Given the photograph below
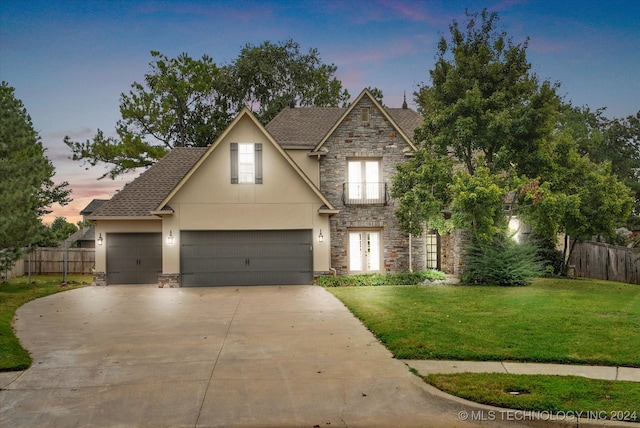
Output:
x=100 y=278
x=169 y=280
x=378 y=140
x=451 y=251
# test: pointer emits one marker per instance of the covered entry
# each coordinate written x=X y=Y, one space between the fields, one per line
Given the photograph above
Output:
x=134 y=258
x=256 y=257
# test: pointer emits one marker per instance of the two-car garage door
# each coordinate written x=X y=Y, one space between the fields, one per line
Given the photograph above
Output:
x=258 y=257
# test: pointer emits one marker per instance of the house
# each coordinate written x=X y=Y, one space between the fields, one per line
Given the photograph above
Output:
x=85 y=237
x=306 y=195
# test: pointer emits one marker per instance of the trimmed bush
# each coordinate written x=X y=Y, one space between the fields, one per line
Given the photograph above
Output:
x=501 y=262
x=375 y=279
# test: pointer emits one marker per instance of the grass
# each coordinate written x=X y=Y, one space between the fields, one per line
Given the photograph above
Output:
x=558 y=394
x=553 y=321
x=16 y=293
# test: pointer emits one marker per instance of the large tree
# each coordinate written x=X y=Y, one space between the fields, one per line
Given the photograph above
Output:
x=26 y=186
x=616 y=141
x=270 y=77
x=510 y=138
x=483 y=98
x=186 y=102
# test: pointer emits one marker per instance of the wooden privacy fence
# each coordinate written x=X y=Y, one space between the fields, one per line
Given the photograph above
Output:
x=51 y=260
x=603 y=261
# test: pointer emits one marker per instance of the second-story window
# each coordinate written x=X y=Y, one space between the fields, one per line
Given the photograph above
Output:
x=364 y=183
x=246 y=163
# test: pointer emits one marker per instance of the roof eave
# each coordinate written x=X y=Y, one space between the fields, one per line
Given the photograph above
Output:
x=123 y=217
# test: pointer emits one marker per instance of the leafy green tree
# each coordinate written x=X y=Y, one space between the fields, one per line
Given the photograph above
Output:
x=421 y=186
x=486 y=112
x=579 y=198
x=62 y=229
x=186 y=102
x=26 y=186
x=477 y=203
x=485 y=99
x=508 y=134
x=180 y=105
x=271 y=77
x=616 y=141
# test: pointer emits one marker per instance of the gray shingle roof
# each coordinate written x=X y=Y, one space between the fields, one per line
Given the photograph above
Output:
x=145 y=193
x=408 y=120
x=305 y=127
x=93 y=205
x=293 y=127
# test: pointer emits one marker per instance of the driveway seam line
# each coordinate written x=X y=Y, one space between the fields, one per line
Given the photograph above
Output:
x=204 y=397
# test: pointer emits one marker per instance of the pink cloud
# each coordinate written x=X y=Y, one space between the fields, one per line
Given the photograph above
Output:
x=426 y=12
x=549 y=46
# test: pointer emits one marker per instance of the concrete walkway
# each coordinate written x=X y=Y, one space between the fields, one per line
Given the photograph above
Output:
x=425 y=367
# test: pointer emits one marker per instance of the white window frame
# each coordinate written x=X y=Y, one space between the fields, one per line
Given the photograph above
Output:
x=364 y=181
x=246 y=163
x=365 y=250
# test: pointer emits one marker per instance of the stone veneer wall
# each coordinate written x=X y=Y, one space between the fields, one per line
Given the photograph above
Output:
x=378 y=140
x=100 y=278
x=451 y=251
x=169 y=280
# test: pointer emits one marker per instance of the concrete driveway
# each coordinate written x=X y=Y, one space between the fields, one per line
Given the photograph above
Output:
x=140 y=356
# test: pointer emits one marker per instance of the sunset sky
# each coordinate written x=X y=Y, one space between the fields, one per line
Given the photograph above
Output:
x=69 y=61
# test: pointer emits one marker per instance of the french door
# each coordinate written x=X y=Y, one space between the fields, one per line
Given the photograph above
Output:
x=365 y=251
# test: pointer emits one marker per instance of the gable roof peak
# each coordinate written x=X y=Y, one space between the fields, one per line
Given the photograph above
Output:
x=386 y=112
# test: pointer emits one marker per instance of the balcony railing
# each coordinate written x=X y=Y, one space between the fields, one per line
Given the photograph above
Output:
x=364 y=193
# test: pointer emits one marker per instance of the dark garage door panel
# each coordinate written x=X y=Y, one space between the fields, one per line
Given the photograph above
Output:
x=134 y=258
x=276 y=257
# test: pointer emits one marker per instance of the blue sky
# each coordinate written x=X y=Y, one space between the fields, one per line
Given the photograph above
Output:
x=69 y=61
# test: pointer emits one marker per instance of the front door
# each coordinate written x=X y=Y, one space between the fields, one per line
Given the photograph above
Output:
x=365 y=251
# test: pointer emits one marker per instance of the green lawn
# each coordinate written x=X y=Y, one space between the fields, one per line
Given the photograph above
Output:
x=553 y=320
x=14 y=294
x=611 y=399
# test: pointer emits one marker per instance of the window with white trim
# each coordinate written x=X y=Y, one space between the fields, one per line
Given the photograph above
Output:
x=364 y=184
x=246 y=163
x=364 y=251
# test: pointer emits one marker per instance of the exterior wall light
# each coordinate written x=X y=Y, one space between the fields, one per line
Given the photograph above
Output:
x=170 y=238
x=100 y=239
x=320 y=236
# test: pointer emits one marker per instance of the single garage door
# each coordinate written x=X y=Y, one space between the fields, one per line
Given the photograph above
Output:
x=263 y=257
x=134 y=258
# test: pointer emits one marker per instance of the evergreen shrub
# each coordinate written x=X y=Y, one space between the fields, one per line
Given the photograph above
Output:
x=501 y=261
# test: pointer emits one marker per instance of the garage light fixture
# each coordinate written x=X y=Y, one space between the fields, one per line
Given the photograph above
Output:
x=100 y=239
x=320 y=236
x=170 y=238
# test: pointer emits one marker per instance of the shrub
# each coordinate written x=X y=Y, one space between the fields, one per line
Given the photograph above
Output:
x=551 y=259
x=501 y=262
x=375 y=279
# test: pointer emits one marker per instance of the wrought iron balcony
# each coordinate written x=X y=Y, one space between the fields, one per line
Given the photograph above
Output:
x=364 y=193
